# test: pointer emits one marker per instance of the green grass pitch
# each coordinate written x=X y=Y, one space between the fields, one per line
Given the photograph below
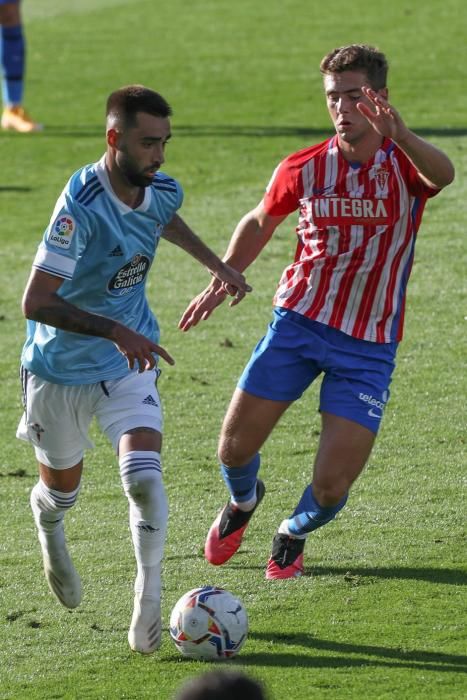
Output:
x=381 y=611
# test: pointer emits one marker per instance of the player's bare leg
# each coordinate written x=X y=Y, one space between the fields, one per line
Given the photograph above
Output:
x=247 y=424
x=343 y=450
x=54 y=494
x=140 y=469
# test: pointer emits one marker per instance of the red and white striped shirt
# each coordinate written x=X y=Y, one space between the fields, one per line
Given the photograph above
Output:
x=356 y=235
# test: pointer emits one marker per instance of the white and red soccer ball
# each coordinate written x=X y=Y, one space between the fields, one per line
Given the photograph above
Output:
x=209 y=623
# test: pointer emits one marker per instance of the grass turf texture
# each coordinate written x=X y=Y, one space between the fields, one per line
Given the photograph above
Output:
x=379 y=612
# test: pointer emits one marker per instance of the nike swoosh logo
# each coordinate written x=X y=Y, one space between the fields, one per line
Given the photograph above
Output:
x=372 y=414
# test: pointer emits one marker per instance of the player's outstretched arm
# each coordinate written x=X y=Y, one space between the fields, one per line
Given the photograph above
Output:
x=433 y=165
x=178 y=232
x=202 y=306
x=42 y=303
x=249 y=238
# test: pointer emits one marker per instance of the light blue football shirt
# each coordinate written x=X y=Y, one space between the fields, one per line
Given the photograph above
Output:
x=103 y=250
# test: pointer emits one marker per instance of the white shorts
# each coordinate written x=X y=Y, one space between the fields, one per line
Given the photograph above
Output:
x=57 y=417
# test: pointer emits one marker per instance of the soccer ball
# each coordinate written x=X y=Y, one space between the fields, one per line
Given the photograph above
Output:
x=209 y=623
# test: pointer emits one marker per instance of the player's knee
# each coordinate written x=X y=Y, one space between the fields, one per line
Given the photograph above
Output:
x=143 y=490
x=136 y=491
x=141 y=477
x=48 y=504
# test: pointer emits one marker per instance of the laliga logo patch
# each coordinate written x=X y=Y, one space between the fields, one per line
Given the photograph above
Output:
x=62 y=231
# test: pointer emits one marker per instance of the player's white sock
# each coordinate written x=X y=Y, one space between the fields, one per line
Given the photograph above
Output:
x=142 y=482
x=49 y=507
x=246 y=506
x=284 y=530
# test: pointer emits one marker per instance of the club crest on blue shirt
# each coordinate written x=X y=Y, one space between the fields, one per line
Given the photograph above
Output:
x=129 y=275
x=61 y=231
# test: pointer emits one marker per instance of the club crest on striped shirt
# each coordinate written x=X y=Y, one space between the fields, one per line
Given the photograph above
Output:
x=381 y=175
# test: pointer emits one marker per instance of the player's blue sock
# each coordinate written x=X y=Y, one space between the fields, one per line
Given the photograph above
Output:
x=241 y=482
x=13 y=59
x=309 y=515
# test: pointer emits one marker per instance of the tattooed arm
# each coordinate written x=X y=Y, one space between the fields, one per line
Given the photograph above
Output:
x=42 y=303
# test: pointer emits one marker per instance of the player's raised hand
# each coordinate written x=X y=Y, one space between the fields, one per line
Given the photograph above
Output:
x=139 y=350
x=383 y=117
x=202 y=306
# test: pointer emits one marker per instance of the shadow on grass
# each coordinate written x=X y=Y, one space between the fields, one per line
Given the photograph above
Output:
x=297 y=660
x=455 y=577
x=387 y=657
x=454 y=661
x=272 y=131
x=228 y=130
x=15 y=188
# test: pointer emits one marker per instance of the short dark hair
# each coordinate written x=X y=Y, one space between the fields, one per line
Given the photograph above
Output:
x=124 y=104
x=359 y=57
x=225 y=685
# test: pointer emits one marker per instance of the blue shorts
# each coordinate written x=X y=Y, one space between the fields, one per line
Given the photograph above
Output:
x=296 y=350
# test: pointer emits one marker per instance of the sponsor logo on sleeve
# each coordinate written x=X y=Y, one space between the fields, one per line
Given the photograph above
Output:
x=61 y=232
